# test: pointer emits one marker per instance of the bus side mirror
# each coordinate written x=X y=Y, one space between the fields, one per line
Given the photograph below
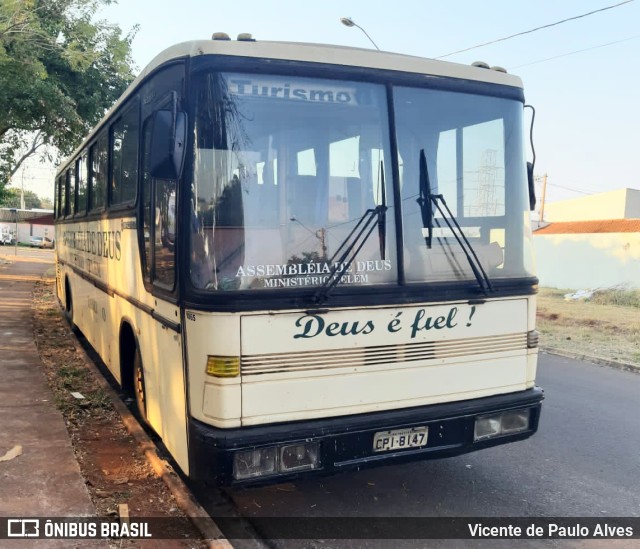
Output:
x=168 y=143
x=532 y=189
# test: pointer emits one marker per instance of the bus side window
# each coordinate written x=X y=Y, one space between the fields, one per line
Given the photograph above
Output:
x=98 y=176
x=159 y=222
x=62 y=196
x=124 y=155
x=71 y=180
x=81 y=174
x=165 y=232
x=146 y=199
x=56 y=196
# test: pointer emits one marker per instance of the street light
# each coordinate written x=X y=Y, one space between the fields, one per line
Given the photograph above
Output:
x=348 y=22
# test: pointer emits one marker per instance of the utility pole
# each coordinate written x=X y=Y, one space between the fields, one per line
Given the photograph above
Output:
x=15 y=215
x=544 y=193
x=22 y=207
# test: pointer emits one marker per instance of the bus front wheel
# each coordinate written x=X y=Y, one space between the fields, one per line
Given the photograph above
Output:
x=138 y=387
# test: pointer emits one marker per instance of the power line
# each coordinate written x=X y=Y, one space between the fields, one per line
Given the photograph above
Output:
x=570 y=189
x=576 y=51
x=536 y=29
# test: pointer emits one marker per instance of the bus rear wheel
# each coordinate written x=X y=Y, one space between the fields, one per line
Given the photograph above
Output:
x=68 y=305
x=139 y=388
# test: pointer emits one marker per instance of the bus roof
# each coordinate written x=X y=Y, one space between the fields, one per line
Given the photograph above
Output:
x=310 y=53
x=333 y=55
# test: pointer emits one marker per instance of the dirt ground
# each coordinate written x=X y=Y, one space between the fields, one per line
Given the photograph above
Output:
x=115 y=470
x=607 y=331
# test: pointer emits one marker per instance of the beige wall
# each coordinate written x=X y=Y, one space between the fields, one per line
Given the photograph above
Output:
x=26 y=230
x=619 y=204
x=588 y=261
x=633 y=204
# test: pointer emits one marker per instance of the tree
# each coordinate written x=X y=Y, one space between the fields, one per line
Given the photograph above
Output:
x=13 y=199
x=60 y=70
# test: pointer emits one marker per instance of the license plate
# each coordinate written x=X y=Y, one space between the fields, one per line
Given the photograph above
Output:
x=414 y=437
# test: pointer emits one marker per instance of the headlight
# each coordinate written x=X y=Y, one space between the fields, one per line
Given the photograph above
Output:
x=255 y=463
x=504 y=423
x=299 y=457
x=303 y=456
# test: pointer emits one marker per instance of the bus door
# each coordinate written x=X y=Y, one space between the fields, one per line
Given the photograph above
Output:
x=161 y=339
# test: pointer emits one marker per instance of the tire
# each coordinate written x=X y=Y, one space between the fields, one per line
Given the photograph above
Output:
x=68 y=305
x=139 y=390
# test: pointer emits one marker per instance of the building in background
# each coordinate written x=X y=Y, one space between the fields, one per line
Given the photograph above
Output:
x=27 y=222
x=590 y=242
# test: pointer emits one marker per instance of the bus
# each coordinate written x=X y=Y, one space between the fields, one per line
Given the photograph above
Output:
x=303 y=259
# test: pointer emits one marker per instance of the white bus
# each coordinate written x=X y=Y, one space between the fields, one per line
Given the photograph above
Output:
x=304 y=258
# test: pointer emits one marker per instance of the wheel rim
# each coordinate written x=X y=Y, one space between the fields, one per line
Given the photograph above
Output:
x=138 y=388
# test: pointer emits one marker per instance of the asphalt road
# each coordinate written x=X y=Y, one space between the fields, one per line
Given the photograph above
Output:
x=583 y=462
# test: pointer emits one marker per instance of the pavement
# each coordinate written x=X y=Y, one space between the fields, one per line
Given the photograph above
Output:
x=39 y=474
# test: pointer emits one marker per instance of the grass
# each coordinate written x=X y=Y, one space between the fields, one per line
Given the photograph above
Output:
x=66 y=371
x=605 y=326
x=620 y=295
x=70 y=376
x=99 y=400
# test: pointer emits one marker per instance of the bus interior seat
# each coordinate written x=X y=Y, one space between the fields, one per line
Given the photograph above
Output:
x=443 y=260
x=264 y=201
x=304 y=200
x=354 y=197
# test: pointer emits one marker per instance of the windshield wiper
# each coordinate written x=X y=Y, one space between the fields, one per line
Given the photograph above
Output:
x=381 y=212
x=346 y=253
x=427 y=201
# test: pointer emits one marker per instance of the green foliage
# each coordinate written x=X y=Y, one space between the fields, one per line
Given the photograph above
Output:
x=60 y=70
x=12 y=199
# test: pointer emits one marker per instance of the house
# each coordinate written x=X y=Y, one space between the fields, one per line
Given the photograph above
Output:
x=28 y=222
x=590 y=242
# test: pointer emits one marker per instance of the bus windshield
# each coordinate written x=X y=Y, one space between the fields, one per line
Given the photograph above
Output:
x=285 y=168
x=475 y=162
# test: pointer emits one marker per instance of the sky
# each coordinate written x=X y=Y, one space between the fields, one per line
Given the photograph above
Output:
x=587 y=125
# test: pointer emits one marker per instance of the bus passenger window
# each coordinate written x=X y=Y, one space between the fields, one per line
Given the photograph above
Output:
x=62 y=206
x=124 y=154
x=81 y=171
x=98 y=176
x=71 y=182
x=56 y=198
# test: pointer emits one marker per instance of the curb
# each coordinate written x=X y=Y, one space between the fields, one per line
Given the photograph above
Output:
x=600 y=361
x=212 y=535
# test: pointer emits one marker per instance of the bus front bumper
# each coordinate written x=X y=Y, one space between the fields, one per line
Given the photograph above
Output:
x=279 y=452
